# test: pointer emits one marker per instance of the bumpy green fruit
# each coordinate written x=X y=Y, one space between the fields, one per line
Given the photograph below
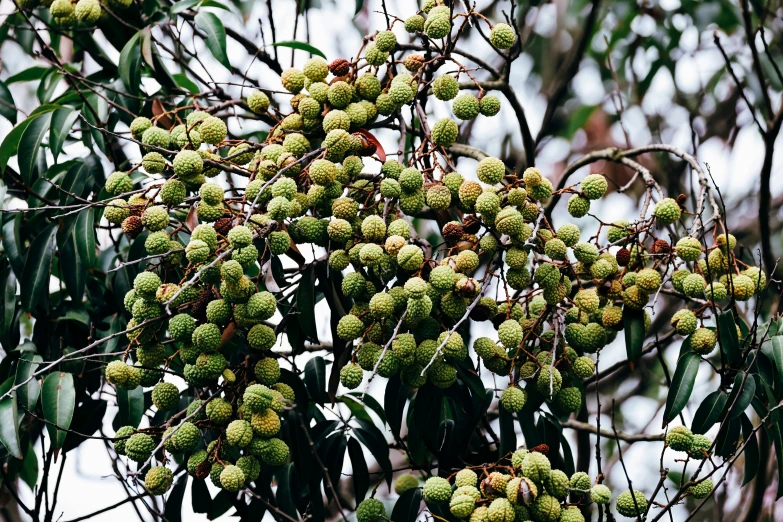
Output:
x=461 y=506
x=267 y=371
x=490 y=170
x=685 y=322
x=546 y=508
x=700 y=445
x=631 y=504
x=578 y=206
x=120 y=438
x=445 y=87
x=702 y=490
x=489 y=105
x=703 y=341
x=679 y=438
x=232 y=478
x=261 y=337
x=569 y=399
x=165 y=396
x=667 y=211
x=158 y=479
x=139 y=447
x=239 y=433
x=370 y=510
x=513 y=399
x=466 y=107
x=600 y=494
x=502 y=36
x=445 y=132
x=436 y=490
x=536 y=466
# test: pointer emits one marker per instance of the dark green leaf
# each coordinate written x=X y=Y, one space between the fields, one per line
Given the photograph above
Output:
x=84 y=235
x=407 y=506
x=373 y=440
x=131 y=405
x=751 y=450
x=173 y=512
x=62 y=123
x=709 y=411
x=29 y=144
x=185 y=82
x=9 y=420
x=10 y=144
x=775 y=432
x=72 y=268
x=777 y=356
x=8 y=306
x=216 y=36
x=741 y=395
x=682 y=385
x=508 y=435
x=356 y=407
x=285 y=490
x=130 y=64
x=58 y=399
x=371 y=403
x=394 y=399
x=28 y=394
x=728 y=438
x=29 y=470
x=201 y=501
x=305 y=303
x=35 y=277
x=633 y=324
x=359 y=6
x=729 y=340
x=315 y=379
x=7 y=105
x=28 y=75
x=302 y=46
x=360 y=473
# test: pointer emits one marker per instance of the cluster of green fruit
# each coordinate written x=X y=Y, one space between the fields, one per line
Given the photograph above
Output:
x=697 y=447
x=527 y=490
x=77 y=13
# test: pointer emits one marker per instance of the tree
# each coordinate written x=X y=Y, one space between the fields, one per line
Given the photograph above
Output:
x=314 y=286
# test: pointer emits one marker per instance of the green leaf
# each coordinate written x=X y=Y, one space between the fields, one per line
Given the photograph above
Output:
x=305 y=303
x=29 y=470
x=173 y=512
x=8 y=296
x=28 y=394
x=186 y=83
x=729 y=340
x=130 y=64
x=10 y=145
x=508 y=435
x=407 y=506
x=777 y=356
x=633 y=321
x=84 y=235
x=7 y=105
x=183 y=5
x=72 y=268
x=315 y=379
x=302 y=46
x=775 y=432
x=371 y=403
x=28 y=75
x=35 y=277
x=741 y=395
x=29 y=143
x=285 y=490
x=131 y=405
x=360 y=474
x=58 y=399
x=12 y=243
x=373 y=440
x=752 y=457
x=394 y=400
x=682 y=385
x=216 y=36
x=709 y=411
x=62 y=123
x=9 y=421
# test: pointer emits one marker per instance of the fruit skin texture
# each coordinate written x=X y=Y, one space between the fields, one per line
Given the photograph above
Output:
x=466 y=477
x=684 y=321
x=490 y=170
x=594 y=186
x=501 y=510
x=165 y=396
x=370 y=510
x=232 y=478
x=546 y=508
x=600 y=494
x=502 y=36
x=239 y=433
x=405 y=482
x=536 y=467
x=445 y=132
x=466 y=107
x=703 y=341
x=436 y=490
x=513 y=399
x=626 y=506
x=667 y=211
x=351 y=376
x=139 y=447
x=679 y=438
x=158 y=480
x=445 y=87
x=688 y=248
x=701 y=490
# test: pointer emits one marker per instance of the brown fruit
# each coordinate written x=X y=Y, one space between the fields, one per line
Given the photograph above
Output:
x=340 y=67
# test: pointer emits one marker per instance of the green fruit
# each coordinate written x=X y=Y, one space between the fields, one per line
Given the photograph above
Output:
x=600 y=494
x=701 y=490
x=232 y=478
x=703 y=341
x=466 y=477
x=445 y=87
x=158 y=479
x=594 y=186
x=374 y=55
x=118 y=182
x=121 y=437
x=536 y=466
x=445 y=132
x=466 y=107
x=685 y=322
x=489 y=105
x=239 y=433
x=155 y=218
x=351 y=376
x=267 y=371
x=490 y=170
x=679 y=438
x=261 y=337
x=513 y=399
x=139 y=447
x=578 y=206
x=370 y=510
x=699 y=449
x=667 y=211
x=631 y=504
x=502 y=36
x=436 y=490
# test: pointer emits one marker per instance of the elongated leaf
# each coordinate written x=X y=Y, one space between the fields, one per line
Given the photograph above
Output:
x=35 y=277
x=29 y=470
x=777 y=356
x=62 y=123
x=8 y=305
x=131 y=404
x=728 y=438
x=360 y=476
x=7 y=105
x=371 y=403
x=201 y=501
x=775 y=432
x=285 y=490
x=709 y=412
x=84 y=235
x=729 y=340
x=72 y=268
x=29 y=144
x=315 y=379
x=173 y=512
x=633 y=321
x=58 y=399
x=130 y=64
x=9 y=421
x=374 y=441
x=508 y=435
x=751 y=450
x=305 y=303
x=184 y=82
x=216 y=36
x=301 y=46
x=10 y=145
x=28 y=394
x=407 y=506
x=28 y=75
x=741 y=395
x=394 y=399
x=682 y=385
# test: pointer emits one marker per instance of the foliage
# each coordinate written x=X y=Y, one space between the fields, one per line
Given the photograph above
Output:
x=257 y=257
